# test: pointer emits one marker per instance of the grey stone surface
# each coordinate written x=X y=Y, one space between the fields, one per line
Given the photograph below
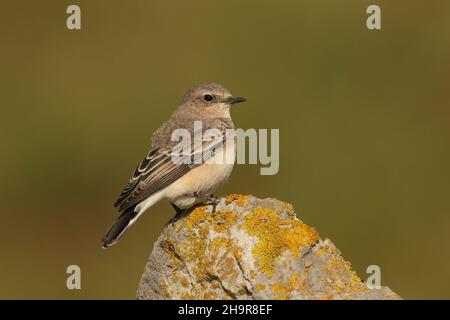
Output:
x=248 y=249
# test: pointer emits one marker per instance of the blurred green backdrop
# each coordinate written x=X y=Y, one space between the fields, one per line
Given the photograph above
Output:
x=363 y=115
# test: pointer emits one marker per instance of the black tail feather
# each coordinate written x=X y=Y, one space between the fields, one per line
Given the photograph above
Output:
x=119 y=227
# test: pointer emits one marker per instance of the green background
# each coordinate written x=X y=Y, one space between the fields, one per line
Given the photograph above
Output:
x=363 y=115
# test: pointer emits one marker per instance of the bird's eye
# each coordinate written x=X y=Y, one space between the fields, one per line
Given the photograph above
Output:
x=208 y=97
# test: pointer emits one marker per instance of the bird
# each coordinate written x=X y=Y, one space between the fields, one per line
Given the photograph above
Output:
x=183 y=183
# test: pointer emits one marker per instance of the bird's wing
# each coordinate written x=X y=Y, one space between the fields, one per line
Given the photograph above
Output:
x=158 y=169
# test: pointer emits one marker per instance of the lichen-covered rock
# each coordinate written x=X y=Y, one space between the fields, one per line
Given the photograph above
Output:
x=248 y=249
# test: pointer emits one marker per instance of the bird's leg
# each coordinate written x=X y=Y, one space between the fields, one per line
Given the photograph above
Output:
x=213 y=201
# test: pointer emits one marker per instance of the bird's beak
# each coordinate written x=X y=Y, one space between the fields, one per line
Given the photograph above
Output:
x=233 y=100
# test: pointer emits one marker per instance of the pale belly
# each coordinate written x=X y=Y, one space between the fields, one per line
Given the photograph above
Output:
x=202 y=181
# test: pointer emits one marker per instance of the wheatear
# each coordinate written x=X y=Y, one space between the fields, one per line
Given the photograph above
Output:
x=184 y=184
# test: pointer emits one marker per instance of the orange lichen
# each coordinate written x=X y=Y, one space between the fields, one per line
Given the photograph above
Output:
x=223 y=220
x=351 y=283
x=329 y=296
x=184 y=282
x=210 y=253
x=288 y=207
x=219 y=242
x=277 y=235
x=240 y=199
x=283 y=291
x=293 y=281
x=280 y=291
x=209 y=296
x=260 y=287
x=202 y=247
x=197 y=216
x=324 y=249
x=206 y=251
x=175 y=276
x=186 y=296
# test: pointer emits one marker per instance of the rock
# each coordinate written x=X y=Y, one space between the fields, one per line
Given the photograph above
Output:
x=248 y=249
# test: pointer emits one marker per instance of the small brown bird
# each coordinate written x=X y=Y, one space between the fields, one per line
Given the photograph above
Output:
x=183 y=183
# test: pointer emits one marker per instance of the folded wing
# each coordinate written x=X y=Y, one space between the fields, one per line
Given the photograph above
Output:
x=158 y=169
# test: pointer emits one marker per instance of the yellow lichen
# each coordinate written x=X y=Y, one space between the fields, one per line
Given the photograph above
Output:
x=324 y=249
x=199 y=223
x=283 y=291
x=197 y=216
x=277 y=235
x=184 y=282
x=209 y=252
x=288 y=207
x=260 y=287
x=175 y=276
x=215 y=285
x=320 y=252
x=280 y=291
x=337 y=265
x=223 y=220
x=209 y=296
x=187 y=296
x=293 y=282
x=240 y=199
x=219 y=242
x=329 y=296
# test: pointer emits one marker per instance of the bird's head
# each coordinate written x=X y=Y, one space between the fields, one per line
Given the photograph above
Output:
x=211 y=99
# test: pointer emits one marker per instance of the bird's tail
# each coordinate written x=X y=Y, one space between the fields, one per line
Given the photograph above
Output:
x=125 y=220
